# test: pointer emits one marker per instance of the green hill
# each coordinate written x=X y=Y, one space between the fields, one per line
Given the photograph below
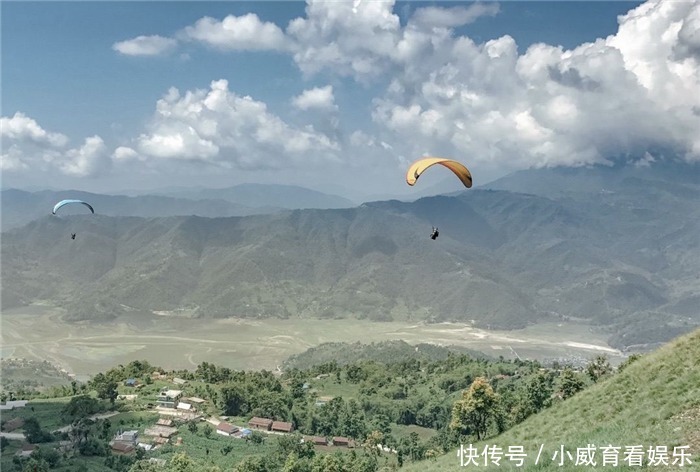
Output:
x=653 y=402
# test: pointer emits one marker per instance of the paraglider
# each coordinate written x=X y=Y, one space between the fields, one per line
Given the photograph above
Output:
x=421 y=165
x=63 y=203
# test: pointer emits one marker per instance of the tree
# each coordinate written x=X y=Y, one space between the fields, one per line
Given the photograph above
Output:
x=35 y=465
x=476 y=408
x=207 y=430
x=538 y=393
x=256 y=437
x=105 y=387
x=569 y=383
x=181 y=463
x=226 y=449
x=106 y=429
x=253 y=464
x=374 y=439
x=34 y=433
x=192 y=427
x=81 y=406
x=598 y=368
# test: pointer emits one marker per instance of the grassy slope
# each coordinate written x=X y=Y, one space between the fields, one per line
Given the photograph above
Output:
x=655 y=401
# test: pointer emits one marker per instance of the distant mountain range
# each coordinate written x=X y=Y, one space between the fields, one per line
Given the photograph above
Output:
x=20 y=207
x=618 y=249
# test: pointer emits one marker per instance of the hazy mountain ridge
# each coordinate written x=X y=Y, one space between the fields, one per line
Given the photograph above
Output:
x=19 y=207
x=503 y=259
x=267 y=195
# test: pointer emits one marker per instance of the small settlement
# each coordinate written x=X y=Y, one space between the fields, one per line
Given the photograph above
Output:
x=174 y=409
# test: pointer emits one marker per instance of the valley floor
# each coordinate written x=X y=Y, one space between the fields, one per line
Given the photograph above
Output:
x=83 y=349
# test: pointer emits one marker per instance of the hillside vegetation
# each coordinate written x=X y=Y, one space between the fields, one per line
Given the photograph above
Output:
x=654 y=402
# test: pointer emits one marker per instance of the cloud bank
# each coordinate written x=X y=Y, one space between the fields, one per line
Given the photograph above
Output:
x=630 y=97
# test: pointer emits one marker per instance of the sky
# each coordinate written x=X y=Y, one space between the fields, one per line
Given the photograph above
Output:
x=340 y=96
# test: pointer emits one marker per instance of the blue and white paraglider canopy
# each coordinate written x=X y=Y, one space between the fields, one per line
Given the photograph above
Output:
x=68 y=202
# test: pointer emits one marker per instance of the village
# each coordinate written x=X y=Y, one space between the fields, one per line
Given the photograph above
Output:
x=176 y=409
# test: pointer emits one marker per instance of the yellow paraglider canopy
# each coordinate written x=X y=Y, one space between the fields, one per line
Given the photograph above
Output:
x=421 y=165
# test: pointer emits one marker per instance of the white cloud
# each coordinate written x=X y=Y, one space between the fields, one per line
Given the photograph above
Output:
x=216 y=126
x=609 y=100
x=431 y=17
x=28 y=147
x=90 y=160
x=245 y=32
x=319 y=98
x=124 y=153
x=332 y=36
x=22 y=128
x=145 y=46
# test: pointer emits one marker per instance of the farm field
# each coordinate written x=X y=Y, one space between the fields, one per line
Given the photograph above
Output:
x=37 y=332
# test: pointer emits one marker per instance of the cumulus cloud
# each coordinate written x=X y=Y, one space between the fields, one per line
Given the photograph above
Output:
x=320 y=98
x=245 y=32
x=613 y=99
x=27 y=146
x=218 y=127
x=452 y=17
x=350 y=43
x=145 y=46
x=89 y=160
x=22 y=128
x=125 y=154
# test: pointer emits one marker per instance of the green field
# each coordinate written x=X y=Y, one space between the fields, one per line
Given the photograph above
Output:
x=37 y=332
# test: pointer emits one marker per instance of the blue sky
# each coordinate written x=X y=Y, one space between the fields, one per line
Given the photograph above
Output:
x=500 y=86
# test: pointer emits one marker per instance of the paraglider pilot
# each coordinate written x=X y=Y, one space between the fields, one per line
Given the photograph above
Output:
x=434 y=234
x=72 y=235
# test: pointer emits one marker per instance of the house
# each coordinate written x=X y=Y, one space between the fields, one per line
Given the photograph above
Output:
x=344 y=442
x=160 y=441
x=184 y=406
x=226 y=429
x=158 y=462
x=26 y=450
x=119 y=447
x=160 y=431
x=316 y=440
x=196 y=400
x=145 y=446
x=260 y=423
x=11 y=404
x=169 y=398
x=130 y=382
x=127 y=436
x=164 y=422
x=282 y=427
x=179 y=381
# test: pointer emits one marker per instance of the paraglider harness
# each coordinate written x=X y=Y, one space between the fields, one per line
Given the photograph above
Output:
x=434 y=234
x=72 y=235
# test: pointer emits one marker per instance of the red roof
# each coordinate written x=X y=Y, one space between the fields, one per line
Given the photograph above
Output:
x=227 y=428
x=282 y=426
